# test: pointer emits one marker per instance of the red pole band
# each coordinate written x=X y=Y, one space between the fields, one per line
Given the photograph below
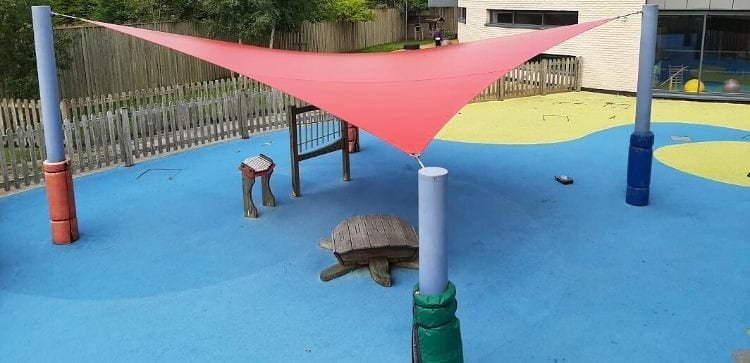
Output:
x=61 y=199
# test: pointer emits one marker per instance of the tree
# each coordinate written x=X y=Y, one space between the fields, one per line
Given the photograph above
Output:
x=252 y=20
x=145 y=11
x=348 y=10
x=413 y=5
x=18 y=77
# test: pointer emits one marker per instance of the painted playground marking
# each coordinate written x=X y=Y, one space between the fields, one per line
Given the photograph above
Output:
x=722 y=161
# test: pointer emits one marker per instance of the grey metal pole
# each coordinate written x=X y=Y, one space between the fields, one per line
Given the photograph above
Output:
x=433 y=263
x=642 y=140
x=48 y=92
x=646 y=68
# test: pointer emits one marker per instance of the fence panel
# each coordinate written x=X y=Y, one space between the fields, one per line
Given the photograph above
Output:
x=120 y=129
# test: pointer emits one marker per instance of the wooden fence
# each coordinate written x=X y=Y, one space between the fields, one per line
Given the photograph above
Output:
x=124 y=135
x=536 y=78
x=121 y=128
x=104 y=61
x=344 y=36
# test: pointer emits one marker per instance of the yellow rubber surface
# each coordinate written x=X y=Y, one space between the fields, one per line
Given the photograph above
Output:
x=569 y=116
x=724 y=161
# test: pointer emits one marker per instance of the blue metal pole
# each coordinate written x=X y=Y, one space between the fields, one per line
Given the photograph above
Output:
x=48 y=92
x=642 y=140
x=433 y=269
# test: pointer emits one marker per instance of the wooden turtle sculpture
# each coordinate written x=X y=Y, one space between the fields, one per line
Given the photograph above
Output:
x=375 y=241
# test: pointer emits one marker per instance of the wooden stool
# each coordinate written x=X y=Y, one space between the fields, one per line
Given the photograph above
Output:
x=256 y=166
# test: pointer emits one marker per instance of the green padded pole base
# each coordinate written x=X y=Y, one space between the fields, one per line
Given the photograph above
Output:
x=436 y=333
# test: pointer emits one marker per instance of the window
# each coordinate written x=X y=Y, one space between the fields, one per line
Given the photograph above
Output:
x=503 y=17
x=531 y=19
x=528 y=19
x=462 y=15
x=710 y=47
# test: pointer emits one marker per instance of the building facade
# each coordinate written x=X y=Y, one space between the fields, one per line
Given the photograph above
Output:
x=707 y=40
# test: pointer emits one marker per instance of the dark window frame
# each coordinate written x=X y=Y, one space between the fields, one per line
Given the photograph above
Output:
x=492 y=17
x=462 y=15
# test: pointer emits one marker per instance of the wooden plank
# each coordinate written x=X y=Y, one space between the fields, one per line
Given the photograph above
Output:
x=36 y=116
x=86 y=124
x=342 y=238
x=3 y=166
x=213 y=117
x=190 y=130
x=112 y=129
x=243 y=107
x=395 y=232
x=3 y=110
x=375 y=228
x=142 y=130
x=11 y=136
x=219 y=116
x=360 y=239
x=181 y=116
x=125 y=137
x=68 y=143
x=15 y=123
x=169 y=128
x=96 y=138
x=133 y=126
x=230 y=115
x=151 y=129
x=23 y=157
x=78 y=141
x=159 y=126
x=39 y=136
x=201 y=122
x=35 y=169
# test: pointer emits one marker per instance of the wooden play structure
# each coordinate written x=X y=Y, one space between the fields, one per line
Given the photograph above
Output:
x=374 y=241
x=313 y=132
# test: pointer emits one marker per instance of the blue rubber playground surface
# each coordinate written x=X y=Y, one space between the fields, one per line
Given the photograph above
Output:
x=168 y=269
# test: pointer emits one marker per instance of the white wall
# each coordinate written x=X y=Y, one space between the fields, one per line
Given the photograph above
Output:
x=610 y=52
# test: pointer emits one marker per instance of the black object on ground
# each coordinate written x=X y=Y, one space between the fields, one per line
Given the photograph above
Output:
x=411 y=46
x=564 y=179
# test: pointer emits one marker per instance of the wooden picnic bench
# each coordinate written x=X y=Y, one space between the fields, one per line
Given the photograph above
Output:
x=372 y=240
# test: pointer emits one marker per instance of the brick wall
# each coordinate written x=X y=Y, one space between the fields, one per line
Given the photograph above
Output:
x=610 y=52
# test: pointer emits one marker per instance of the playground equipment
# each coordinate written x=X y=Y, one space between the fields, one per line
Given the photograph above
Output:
x=374 y=241
x=732 y=86
x=694 y=86
x=314 y=133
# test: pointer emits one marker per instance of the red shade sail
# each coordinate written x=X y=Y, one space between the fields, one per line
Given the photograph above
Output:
x=404 y=98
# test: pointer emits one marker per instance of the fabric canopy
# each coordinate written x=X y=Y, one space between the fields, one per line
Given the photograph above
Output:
x=404 y=98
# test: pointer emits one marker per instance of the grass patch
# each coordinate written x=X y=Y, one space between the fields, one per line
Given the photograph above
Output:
x=389 y=47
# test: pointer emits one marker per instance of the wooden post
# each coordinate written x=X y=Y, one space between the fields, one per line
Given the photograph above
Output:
x=3 y=167
x=243 y=114
x=501 y=91
x=543 y=76
x=291 y=115
x=578 y=72
x=345 y=148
